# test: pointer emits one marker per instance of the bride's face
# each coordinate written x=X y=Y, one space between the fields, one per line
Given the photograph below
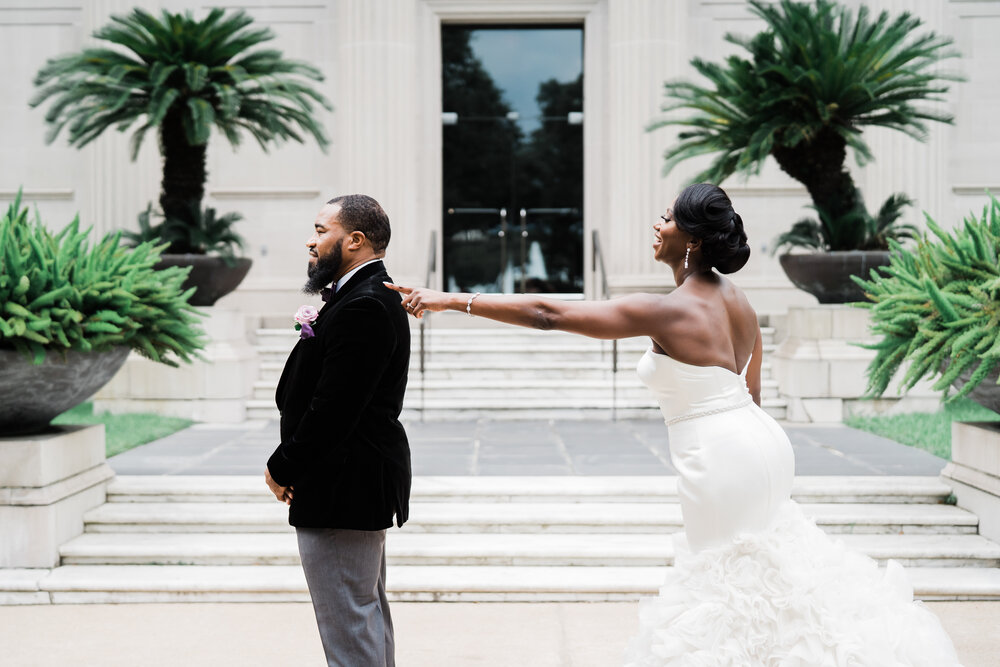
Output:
x=669 y=242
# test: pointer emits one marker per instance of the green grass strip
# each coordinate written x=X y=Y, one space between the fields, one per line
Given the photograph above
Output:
x=125 y=431
x=930 y=431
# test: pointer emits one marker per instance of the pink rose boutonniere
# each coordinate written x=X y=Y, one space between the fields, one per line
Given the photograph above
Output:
x=304 y=319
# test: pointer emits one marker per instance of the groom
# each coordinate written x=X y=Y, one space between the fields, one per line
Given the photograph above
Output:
x=343 y=464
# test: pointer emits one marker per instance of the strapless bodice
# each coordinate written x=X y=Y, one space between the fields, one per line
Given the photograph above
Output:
x=684 y=391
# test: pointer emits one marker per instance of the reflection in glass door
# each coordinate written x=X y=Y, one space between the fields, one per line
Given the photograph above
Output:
x=513 y=159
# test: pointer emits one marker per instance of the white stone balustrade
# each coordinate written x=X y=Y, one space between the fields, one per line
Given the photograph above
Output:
x=47 y=482
x=974 y=472
x=821 y=369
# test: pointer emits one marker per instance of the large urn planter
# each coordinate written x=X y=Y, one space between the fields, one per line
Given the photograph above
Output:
x=32 y=395
x=827 y=275
x=212 y=277
x=50 y=476
x=986 y=393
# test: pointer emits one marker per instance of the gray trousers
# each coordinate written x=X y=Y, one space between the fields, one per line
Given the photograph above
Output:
x=345 y=571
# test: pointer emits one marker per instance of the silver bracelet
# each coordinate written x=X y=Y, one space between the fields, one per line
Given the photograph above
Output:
x=468 y=306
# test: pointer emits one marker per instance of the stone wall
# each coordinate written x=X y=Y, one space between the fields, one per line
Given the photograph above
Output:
x=382 y=63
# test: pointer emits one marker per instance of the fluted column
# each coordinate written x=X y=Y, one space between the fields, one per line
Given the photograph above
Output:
x=647 y=46
x=902 y=163
x=114 y=189
x=376 y=122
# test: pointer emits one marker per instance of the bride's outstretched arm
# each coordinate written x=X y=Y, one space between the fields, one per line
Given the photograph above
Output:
x=625 y=317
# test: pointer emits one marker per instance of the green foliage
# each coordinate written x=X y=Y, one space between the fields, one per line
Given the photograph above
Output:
x=200 y=69
x=857 y=229
x=938 y=307
x=812 y=80
x=181 y=77
x=200 y=232
x=124 y=431
x=930 y=431
x=57 y=293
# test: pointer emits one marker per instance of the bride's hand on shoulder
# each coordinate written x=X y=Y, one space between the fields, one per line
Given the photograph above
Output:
x=416 y=300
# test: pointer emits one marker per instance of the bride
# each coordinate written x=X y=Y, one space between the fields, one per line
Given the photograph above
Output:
x=754 y=581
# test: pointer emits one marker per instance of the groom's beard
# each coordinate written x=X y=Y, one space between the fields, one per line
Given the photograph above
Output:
x=323 y=272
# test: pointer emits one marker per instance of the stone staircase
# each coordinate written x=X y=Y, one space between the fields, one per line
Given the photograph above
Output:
x=201 y=538
x=508 y=373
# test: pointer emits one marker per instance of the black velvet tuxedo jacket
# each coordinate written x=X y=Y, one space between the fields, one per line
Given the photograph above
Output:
x=340 y=394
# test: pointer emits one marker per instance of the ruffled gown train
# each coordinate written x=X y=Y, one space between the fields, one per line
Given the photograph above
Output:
x=755 y=582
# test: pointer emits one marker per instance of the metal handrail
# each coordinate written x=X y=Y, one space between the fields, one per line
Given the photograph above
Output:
x=597 y=264
x=431 y=270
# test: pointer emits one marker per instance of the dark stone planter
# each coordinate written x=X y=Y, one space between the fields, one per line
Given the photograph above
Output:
x=987 y=393
x=212 y=277
x=826 y=275
x=31 y=396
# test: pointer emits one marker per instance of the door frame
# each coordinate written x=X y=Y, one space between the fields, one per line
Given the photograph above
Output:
x=592 y=16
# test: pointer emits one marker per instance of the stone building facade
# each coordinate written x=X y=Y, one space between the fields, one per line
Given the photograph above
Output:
x=383 y=65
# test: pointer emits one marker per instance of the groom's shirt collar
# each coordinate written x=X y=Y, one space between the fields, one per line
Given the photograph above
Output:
x=350 y=274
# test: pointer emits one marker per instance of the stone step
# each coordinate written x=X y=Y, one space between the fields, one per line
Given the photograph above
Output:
x=541 y=489
x=509 y=369
x=515 y=550
x=526 y=350
x=500 y=334
x=472 y=357
x=534 y=394
x=446 y=410
x=194 y=583
x=616 y=518
x=575 y=406
x=516 y=342
x=265 y=411
x=443 y=386
x=514 y=406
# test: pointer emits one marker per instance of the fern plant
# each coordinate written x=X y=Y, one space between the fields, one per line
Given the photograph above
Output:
x=857 y=229
x=57 y=292
x=810 y=83
x=200 y=232
x=938 y=307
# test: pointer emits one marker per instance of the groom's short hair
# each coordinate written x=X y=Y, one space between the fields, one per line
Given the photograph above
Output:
x=361 y=213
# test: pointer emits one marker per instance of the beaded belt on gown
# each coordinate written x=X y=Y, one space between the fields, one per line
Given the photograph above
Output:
x=705 y=413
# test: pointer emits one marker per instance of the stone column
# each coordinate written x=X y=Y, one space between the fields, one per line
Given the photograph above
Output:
x=47 y=483
x=115 y=189
x=378 y=120
x=647 y=45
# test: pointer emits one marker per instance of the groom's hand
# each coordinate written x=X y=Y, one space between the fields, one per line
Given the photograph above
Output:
x=282 y=493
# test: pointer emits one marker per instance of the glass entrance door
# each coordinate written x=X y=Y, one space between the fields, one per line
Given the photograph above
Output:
x=513 y=159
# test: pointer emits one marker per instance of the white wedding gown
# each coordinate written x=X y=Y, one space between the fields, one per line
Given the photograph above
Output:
x=754 y=581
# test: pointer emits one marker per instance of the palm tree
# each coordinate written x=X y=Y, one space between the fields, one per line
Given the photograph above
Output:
x=181 y=77
x=815 y=78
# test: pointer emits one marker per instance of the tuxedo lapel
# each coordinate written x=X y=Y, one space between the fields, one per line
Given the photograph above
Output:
x=358 y=278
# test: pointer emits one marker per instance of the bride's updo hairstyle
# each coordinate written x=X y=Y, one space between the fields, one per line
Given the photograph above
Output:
x=704 y=211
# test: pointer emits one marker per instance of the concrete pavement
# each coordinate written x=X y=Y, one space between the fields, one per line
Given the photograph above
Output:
x=475 y=634
x=427 y=635
x=537 y=447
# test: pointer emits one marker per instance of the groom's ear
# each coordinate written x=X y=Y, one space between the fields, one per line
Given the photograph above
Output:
x=356 y=240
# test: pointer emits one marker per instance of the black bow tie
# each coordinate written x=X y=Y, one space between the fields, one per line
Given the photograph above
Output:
x=326 y=294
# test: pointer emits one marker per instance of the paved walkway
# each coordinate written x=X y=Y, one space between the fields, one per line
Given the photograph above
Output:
x=461 y=634
x=427 y=635
x=487 y=447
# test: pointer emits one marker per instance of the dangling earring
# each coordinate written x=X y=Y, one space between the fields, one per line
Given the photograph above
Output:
x=686 y=255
